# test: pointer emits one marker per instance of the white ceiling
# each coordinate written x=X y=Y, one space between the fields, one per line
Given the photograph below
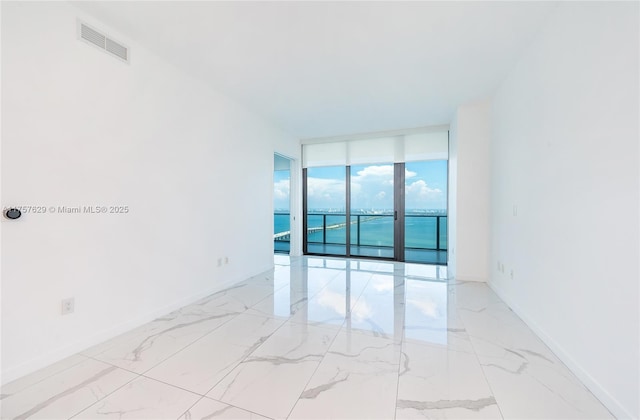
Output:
x=330 y=68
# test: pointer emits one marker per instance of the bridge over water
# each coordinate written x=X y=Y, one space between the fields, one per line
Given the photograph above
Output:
x=286 y=236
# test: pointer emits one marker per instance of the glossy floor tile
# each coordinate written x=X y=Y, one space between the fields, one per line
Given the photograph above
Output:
x=142 y=398
x=271 y=379
x=322 y=338
x=357 y=378
x=203 y=364
x=65 y=394
x=207 y=408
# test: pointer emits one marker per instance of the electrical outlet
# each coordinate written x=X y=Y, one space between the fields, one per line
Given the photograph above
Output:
x=219 y=262
x=226 y=260
x=68 y=306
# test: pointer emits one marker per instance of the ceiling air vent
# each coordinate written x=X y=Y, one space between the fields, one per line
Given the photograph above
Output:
x=116 y=49
x=94 y=37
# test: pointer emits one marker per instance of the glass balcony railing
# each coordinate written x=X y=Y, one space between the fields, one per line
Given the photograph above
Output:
x=422 y=232
x=426 y=232
x=281 y=232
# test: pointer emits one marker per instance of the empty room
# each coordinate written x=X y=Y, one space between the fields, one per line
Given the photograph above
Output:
x=320 y=210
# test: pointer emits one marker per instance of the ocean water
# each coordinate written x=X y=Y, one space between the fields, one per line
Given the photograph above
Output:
x=420 y=231
x=280 y=223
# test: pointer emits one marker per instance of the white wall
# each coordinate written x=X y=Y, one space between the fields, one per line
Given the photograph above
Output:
x=564 y=150
x=469 y=192
x=295 y=188
x=452 y=200
x=81 y=128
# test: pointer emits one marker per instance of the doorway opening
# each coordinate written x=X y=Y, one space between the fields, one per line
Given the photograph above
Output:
x=281 y=204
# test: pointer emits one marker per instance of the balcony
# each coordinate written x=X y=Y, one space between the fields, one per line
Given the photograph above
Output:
x=371 y=235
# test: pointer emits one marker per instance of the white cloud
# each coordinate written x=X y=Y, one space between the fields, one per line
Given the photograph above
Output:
x=372 y=187
x=281 y=190
x=322 y=186
x=421 y=195
x=325 y=193
x=375 y=170
x=422 y=192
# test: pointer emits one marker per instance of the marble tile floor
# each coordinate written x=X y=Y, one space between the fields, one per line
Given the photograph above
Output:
x=318 y=338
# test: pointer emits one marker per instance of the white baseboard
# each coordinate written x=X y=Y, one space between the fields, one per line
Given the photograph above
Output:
x=609 y=401
x=80 y=345
x=469 y=278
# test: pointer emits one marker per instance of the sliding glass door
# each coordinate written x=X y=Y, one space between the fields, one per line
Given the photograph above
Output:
x=325 y=210
x=372 y=210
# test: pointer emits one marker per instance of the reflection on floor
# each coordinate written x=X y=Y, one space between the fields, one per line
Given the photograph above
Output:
x=318 y=338
x=416 y=255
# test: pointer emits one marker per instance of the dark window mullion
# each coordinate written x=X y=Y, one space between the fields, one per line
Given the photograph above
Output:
x=304 y=211
x=399 y=210
x=348 y=210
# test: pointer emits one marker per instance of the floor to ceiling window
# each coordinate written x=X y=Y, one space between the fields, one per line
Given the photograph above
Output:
x=326 y=217
x=384 y=197
x=372 y=210
x=426 y=211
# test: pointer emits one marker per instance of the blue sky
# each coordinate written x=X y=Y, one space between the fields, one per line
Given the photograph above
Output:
x=371 y=187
